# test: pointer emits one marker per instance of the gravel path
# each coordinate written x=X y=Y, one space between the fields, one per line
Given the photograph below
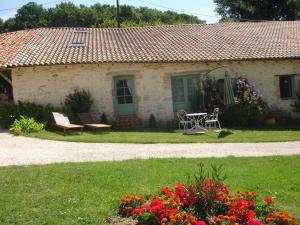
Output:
x=17 y=150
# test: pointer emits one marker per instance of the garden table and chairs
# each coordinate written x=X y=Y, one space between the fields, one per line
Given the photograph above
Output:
x=197 y=123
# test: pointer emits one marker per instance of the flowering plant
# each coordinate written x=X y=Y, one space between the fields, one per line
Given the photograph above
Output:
x=204 y=200
x=128 y=204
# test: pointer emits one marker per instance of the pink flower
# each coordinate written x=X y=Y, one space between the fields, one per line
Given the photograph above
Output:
x=200 y=223
x=268 y=200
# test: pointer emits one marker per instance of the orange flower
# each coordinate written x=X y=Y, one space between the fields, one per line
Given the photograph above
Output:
x=173 y=221
x=164 y=220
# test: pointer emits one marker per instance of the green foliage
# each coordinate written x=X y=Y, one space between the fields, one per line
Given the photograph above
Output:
x=243 y=114
x=206 y=96
x=147 y=218
x=197 y=102
x=26 y=125
x=216 y=173
x=152 y=121
x=31 y=15
x=40 y=113
x=249 y=110
x=171 y=124
x=296 y=105
x=104 y=118
x=1 y=25
x=67 y=14
x=281 y=117
x=258 y=10
x=80 y=101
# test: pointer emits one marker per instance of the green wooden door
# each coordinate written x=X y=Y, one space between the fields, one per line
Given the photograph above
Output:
x=124 y=96
x=183 y=88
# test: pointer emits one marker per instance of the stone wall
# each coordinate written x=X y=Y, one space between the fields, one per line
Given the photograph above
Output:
x=50 y=84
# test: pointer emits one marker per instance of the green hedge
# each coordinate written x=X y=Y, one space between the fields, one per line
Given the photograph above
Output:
x=40 y=113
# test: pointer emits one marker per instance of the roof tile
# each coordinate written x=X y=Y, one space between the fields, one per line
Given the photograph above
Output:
x=177 y=43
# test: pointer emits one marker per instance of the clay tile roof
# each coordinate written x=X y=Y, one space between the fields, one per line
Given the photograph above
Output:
x=178 y=43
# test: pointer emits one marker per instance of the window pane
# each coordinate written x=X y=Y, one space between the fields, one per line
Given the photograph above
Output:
x=128 y=99
x=286 y=87
x=120 y=84
x=192 y=87
x=127 y=91
x=178 y=90
x=121 y=100
x=120 y=92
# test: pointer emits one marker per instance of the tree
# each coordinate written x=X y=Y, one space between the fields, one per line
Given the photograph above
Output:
x=68 y=14
x=31 y=15
x=258 y=9
x=10 y=25
x=64 y=15
x=1 y=25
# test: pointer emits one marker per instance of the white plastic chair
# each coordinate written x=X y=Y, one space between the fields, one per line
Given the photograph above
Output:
x=182 y=120
x=212 y=120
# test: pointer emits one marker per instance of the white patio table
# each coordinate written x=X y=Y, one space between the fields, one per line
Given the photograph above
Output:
x=197 y=127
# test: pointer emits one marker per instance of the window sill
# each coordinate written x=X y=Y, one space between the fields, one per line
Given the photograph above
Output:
x=291 y=98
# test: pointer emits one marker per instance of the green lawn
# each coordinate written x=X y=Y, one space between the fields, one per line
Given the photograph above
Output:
x=87 y=193
x=269 y=134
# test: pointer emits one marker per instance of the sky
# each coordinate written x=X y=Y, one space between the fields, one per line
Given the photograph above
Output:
x=204 y=9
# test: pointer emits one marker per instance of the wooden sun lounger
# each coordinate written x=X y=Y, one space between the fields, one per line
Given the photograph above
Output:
x=87 y=120
x=63 y=122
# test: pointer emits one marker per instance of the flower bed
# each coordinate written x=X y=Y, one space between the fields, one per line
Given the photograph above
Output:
x=204 y=200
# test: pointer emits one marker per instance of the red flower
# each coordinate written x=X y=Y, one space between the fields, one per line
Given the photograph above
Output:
x=166 y=191
x=200 y=223
x=268 y=200
x=251 y=214
x=138 y=211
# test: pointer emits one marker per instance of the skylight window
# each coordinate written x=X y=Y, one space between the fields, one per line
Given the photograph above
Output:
x=77 y=45
x=81 y=30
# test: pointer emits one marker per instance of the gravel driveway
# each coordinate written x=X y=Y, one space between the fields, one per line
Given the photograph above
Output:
x=17 y=150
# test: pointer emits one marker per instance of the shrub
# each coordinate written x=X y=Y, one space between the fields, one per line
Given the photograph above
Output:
x=152 y=121
x=244 y=114
x=39 y=113
x=206 y=96
x=103 y=118
x=296 y=105
x=26 y=125
x=281 y=117
x=80 y=101
x=249 y=109
x=171 y=124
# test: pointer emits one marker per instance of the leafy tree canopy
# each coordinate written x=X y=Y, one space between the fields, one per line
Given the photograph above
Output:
x=67 y=14
x=258 y=9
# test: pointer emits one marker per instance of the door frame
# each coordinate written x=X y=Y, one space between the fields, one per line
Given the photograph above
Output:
x=186 y=104
x=115 y=100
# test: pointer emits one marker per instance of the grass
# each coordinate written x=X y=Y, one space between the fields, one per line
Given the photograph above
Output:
x=87 y=193
x=269 y=134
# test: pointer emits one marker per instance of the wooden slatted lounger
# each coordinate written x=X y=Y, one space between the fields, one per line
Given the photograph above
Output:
x=63 y=122
x=88 y=121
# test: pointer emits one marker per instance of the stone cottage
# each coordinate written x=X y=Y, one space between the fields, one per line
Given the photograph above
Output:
x=136 y=72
